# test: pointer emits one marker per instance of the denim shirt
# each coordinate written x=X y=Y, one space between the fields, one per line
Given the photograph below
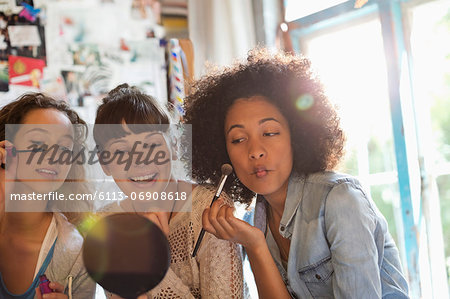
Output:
x=340 y=243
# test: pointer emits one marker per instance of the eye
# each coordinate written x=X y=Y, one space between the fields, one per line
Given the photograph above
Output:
x=118 y=152
x=38 y=143
x=269 y=134
x=64 y=148
x=37 y=149
x=237 y=140
x=38 y=146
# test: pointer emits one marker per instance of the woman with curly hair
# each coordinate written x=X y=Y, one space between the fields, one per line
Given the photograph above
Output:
x=317 y=232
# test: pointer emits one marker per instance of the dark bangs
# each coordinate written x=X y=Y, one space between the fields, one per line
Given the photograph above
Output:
x=129 y=105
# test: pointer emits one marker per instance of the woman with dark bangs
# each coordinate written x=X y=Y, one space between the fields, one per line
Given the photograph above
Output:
x=140 y=121
x=317 y=233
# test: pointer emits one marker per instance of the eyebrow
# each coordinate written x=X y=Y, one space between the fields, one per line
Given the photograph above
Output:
x=46 y=132
x=117 y=141
x=268 y=119
x=151 y=134
x=234 y=126
x=259 y=123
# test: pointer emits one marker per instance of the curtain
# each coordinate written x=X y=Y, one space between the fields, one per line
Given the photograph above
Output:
x=220 y=30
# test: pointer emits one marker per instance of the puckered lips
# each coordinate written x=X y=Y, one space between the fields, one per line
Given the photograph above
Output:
x=260 y=171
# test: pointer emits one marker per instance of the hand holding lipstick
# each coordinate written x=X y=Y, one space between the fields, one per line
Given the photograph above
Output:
x=7 y=153
x=58 y=292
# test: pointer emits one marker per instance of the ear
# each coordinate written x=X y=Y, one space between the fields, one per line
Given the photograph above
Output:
x=105 y=167
x=174 y=154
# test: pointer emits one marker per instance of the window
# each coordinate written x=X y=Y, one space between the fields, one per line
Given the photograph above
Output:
x=349 y=51
x=430 y=31
x=296 y=9
x=351 y=65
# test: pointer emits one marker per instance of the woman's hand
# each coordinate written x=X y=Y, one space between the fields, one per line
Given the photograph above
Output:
x=58 y=292
x=161 y=219
x=9 y=172
x=220 y=221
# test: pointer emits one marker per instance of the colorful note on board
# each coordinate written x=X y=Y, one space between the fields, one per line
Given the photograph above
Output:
x=25 y=71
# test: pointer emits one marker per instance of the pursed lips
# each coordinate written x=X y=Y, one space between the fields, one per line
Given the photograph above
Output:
x=260 y=171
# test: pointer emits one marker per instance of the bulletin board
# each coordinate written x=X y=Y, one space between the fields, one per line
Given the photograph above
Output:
x=22 y=45
x=98 y=45
x=84 y=48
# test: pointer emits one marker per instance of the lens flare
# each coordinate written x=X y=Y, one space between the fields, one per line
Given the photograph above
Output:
x=89 y=220
x=304 y=102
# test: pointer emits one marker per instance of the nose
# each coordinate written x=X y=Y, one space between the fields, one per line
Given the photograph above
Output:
x=256 y=151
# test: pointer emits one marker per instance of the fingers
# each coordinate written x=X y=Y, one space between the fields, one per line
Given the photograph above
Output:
x=8 y=158
x=153 y=218
x=206 y=224
x=54 y=296
x=6 y=150
x=223 y=218
x=7 y=171
x=58 y=292
x=56 y=287
x=215 y=222
x=6 y=144
x=212 y=217
x=207 y=214
x=161 y=219
x=2 y=155
x=11 y=169
x=233 y=221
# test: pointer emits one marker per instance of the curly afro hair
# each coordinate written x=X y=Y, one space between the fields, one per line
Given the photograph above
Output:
x=288 y=83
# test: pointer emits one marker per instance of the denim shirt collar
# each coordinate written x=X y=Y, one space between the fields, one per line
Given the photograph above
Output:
x=291 y=205
x=293 y=200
